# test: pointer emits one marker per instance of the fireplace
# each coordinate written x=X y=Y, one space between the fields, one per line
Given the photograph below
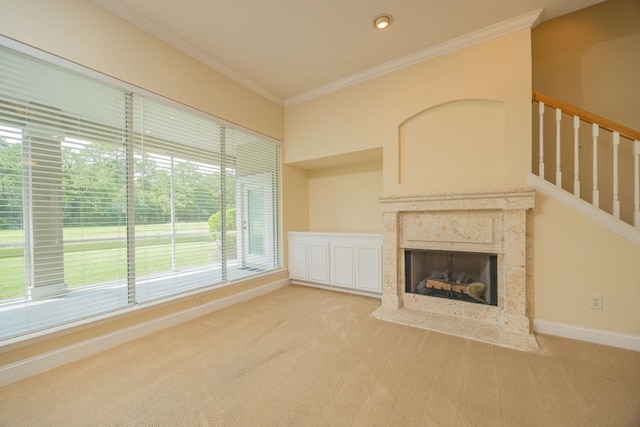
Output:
x=463 y=276
x=460 y=264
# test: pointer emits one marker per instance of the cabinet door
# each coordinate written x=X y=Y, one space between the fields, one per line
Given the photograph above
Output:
x=298 y=259
x=342 y=273
x=368 y=268
x=319 y=262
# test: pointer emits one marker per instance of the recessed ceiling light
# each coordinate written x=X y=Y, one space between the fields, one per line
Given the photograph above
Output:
x=382 y=21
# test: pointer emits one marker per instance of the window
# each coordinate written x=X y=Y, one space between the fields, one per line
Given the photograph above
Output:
x=110 y=198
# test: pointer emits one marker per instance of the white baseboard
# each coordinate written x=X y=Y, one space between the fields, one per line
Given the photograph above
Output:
x=35 y=365
x=597 y=336
x=353 y=291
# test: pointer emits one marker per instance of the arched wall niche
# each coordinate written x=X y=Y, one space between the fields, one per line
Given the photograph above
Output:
x=447 y=146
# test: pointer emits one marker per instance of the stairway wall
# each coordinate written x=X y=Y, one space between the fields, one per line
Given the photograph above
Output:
x=575 y=257
x=589 y=59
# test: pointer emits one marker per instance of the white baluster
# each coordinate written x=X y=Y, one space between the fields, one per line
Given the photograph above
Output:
x=541 y=137
x=558 y=168
x=576 y=156
x=636 y=185
x=596 y=193
x=616 y=196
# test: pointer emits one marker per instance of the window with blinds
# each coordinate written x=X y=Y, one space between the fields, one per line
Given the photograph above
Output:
x=109 y=198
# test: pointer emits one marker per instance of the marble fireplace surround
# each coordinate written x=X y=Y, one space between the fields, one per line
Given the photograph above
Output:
x=495 y=223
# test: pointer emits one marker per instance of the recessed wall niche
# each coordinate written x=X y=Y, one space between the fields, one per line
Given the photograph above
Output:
x=457 y=140
x=344 y=192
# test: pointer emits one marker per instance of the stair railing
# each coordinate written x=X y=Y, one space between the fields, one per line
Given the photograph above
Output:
x=618 y=133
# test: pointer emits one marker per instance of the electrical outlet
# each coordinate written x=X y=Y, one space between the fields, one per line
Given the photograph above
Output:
x=595 y=302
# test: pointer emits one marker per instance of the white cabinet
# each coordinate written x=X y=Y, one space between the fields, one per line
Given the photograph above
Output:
x=298 y=259
x=342 y=271
x=318 y=261
x=368 y=267
x=344 y=261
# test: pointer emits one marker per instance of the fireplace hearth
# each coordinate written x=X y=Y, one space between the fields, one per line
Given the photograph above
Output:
x=460 y=264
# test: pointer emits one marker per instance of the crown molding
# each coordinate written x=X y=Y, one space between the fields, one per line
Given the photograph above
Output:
x=528 y=20
x=171 y=39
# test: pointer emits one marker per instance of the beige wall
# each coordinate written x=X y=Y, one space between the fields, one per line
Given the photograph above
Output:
x=590 y=59
x=574 y=258
x=370 y=114
x=79 y=31
x=424 y=118
x=295 y=205
x=345 y=198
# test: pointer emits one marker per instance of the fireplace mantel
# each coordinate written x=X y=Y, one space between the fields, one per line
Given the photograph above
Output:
x=497 y=223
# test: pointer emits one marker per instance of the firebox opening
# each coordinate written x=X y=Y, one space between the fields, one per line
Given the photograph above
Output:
x=463 y=276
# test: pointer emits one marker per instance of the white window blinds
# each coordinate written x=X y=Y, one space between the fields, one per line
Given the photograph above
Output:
x=177 y=189
x=110 y=199
x=253 y=200
x=63 y=142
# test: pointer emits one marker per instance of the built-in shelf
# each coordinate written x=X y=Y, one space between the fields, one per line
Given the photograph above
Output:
x=344 y=159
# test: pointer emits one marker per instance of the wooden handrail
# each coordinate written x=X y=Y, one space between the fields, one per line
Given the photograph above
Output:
x=607 y=124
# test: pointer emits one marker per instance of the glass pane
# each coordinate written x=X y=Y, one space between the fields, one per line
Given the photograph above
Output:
x=153 y=213
x=197 y=198
x=255 y=226
x=254 y=163
x=12 y=280
x=234 y=218
x=177 y=236
x=94 y=212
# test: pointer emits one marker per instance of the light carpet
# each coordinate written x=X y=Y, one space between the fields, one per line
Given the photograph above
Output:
x=304 y=357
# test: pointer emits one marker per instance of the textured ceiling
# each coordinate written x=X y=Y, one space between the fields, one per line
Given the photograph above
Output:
x=286 y=48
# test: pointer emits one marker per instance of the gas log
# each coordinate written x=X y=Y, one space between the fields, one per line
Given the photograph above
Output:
x=475 y=290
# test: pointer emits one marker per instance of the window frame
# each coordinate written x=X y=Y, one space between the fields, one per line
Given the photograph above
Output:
x=130 y=148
